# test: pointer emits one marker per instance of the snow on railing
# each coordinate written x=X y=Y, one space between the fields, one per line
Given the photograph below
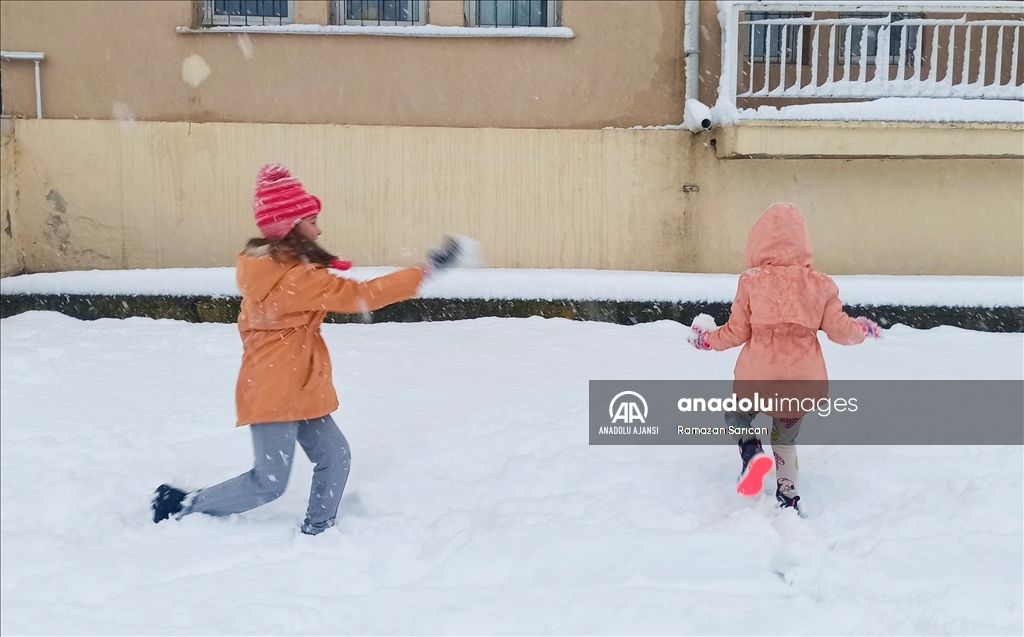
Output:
x=871 y=50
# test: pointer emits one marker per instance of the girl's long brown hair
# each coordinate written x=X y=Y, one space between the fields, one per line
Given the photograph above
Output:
x=293 y=246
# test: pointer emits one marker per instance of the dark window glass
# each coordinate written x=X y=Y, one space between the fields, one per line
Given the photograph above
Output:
x=896 y=40
x=251 y=8
x=512 y=13
x=762 y=39
x=383 y=10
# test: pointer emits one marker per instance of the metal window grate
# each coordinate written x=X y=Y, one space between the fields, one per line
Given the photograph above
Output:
x=380 y=12
x=512 y=13
x=766 y=40
x=246 y=12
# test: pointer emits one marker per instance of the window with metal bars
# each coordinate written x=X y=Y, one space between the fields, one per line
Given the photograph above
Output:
x=870 y=43
x=379 y=12
x=513 y=13
x=246 y=13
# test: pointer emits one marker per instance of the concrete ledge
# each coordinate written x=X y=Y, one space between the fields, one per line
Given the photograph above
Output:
x=875 y=140
x=412 y=31
x=205 y=309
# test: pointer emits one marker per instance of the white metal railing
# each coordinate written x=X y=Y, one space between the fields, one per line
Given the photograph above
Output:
x=33 y=57
x=871 y=50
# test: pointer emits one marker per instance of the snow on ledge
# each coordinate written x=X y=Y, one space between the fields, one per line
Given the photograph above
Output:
x=911 y=110
x=897 y=109
x=495 y=283
x=418 y=31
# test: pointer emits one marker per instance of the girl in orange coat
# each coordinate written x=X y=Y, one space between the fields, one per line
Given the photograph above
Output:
x=781 y=303
x=285 y=391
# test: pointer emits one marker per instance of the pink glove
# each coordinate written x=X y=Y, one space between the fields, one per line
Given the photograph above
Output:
x=870 y=328
x=338 y=264
x=700 y=339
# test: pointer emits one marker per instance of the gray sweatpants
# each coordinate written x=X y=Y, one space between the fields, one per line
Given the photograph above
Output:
x=784 y=433
x=273 y=448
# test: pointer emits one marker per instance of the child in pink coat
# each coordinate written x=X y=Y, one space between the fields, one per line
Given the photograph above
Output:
x=781 y=303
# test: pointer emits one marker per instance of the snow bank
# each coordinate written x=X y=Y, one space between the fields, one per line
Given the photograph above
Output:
x=495 y=283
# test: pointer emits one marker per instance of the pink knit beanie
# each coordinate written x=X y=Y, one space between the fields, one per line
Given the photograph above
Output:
x=281 y=202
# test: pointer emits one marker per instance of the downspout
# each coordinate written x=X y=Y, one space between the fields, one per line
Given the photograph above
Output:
x=33 y=57
x=691 y=46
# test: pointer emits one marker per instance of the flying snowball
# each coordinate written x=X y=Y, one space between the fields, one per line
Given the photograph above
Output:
x=194 y=70
x=245 y=44
x=122 y=112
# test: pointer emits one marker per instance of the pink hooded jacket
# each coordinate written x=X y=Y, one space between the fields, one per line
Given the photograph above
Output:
x=780 y=305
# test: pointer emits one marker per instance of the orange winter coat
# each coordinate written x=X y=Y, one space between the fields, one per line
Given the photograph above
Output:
x=286 y=370
x=781 y=303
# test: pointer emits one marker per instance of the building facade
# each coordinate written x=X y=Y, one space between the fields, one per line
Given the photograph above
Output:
x=550 y=130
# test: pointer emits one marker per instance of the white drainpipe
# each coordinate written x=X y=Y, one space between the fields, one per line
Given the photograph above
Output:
x=37 y=58
x=691 y=46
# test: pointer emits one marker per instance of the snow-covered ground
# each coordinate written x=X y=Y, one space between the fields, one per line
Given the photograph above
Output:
x=475 y=504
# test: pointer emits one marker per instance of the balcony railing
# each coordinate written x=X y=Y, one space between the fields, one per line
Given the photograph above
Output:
x=840 y=50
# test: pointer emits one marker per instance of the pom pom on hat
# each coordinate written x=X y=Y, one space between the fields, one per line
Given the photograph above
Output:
x=271 y=173
x=281 y=202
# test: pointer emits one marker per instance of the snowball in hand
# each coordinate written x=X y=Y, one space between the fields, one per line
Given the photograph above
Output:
x=703 y=323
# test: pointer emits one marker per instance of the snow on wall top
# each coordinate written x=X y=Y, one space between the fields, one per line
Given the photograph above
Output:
x=494 y=283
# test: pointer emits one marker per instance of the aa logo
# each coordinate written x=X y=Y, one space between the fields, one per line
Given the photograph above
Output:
x=624 y=408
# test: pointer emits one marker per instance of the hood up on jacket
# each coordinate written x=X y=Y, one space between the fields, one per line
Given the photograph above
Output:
x=779 y=238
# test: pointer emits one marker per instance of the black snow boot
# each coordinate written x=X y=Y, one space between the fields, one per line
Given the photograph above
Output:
x=167 y=502
x=749 y=449
x=787 y=502
x=756 y=465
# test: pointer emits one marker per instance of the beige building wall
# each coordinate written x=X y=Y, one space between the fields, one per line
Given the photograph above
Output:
x=952 y=216
x=11 y=260
x=179 y=195
x=126 y=60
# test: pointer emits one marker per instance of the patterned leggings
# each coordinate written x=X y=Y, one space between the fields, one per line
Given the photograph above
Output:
x=784 y=433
